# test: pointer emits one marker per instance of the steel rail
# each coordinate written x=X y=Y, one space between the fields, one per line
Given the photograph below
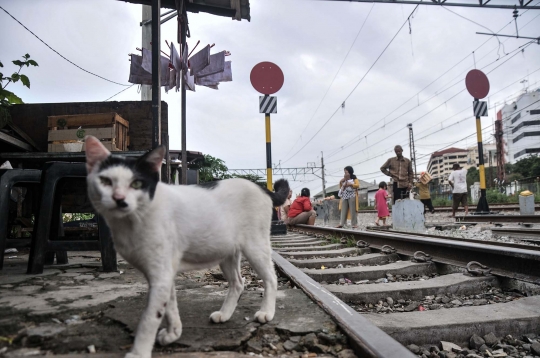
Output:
x=449 y=208
x=516 y=263
x=495 y=243
x=524 y=233
x=500 y=218
x=367 y=339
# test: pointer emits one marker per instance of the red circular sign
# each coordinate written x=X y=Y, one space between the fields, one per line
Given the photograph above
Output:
x=266 y=77
x=477 y=84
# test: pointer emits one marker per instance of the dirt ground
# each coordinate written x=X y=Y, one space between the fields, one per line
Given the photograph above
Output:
x=76 y=308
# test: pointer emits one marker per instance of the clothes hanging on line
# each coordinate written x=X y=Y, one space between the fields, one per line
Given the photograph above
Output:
x=217 y=64
x=200 y=60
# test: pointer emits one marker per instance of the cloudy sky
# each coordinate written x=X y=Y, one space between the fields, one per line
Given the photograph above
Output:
x=326 y=60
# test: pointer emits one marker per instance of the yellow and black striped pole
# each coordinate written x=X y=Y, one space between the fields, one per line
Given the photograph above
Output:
x=483 y=207
x=268 y=152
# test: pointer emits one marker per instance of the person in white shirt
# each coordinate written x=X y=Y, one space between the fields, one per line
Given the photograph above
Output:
x=458 y=181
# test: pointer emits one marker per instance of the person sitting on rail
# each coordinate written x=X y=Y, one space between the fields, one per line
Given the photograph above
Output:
x=381 y=198
x=301 y=211
x=400 y=170
x=423 y=191
x=348 y=193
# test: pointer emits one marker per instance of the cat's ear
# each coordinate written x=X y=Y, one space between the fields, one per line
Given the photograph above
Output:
x=154 y=158
x=95 y=152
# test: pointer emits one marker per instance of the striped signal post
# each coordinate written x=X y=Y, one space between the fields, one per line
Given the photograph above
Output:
x=267 y=105
x=478 y=86
x=480 y=110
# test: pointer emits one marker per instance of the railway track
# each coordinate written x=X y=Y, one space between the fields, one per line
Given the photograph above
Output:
x=417 y=299
x=493 y=207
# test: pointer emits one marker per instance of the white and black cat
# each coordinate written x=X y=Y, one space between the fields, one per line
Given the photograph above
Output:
x=162 y=229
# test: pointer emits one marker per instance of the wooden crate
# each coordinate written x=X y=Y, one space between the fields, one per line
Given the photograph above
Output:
x=110 y=128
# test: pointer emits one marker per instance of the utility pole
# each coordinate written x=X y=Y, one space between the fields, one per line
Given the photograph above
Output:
x=411 y=146
x=146 y=90
x=323 y=183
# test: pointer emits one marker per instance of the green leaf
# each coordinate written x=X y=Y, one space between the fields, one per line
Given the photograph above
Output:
x=15 y=77
x=10 y=96
x=27 y=56
x=25 y=81
x=18 y=63
x=1 y=65
x=32 y=62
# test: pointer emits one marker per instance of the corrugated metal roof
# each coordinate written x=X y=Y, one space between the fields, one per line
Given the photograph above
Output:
x=214 y=7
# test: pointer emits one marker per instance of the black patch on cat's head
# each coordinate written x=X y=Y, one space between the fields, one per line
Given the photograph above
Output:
x=142 y=170
x=209 y=185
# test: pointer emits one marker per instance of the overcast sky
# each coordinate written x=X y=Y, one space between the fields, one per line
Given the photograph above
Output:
x=309 y=40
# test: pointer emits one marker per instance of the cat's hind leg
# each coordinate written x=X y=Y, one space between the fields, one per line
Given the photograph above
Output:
x=258 y=253
x=231 y=270
x=172 y=317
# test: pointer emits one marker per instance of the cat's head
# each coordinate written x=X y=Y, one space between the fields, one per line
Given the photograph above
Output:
x=117 y=186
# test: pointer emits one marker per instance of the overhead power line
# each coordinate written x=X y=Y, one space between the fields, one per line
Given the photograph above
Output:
x=59 y=54
x=331 y=83
x=355 y=87
x=432 y=110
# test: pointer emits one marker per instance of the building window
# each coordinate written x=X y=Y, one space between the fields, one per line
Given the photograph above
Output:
x=516 y=118
x=526 y=123
x=526 y=134
x=526 y=151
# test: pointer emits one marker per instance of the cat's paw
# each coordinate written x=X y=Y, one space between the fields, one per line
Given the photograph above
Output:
x=219 y=317
x=165 y=337
x=263 y=317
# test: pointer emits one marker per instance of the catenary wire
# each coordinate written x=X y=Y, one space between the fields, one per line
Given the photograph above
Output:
x=332 y=82
x=59 y=54
x=355 y=87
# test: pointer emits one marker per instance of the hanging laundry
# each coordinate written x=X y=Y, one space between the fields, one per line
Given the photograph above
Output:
x=172 y=81
x=217 y=63
x=190 y=81
x=137 y=74
x=177 y=64
x=215 y=79
x=185 y=54
x=147 y=65
x=200 y=60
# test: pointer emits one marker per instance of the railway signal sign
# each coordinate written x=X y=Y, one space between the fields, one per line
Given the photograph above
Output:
x=267 y=104
x=266 y=77
x=480 y=108
x=477 y=84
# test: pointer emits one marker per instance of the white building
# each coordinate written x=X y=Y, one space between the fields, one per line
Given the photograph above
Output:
x=441 y=162
x=521 y=126
x=490 y=155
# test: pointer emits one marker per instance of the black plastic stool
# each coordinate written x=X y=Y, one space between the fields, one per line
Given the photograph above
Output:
x=48 y=223
x=8 y=178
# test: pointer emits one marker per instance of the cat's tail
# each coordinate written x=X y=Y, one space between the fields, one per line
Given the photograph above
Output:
x=280 y=193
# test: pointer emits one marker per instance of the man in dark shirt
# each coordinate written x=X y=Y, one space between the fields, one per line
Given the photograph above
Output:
x=400 y=170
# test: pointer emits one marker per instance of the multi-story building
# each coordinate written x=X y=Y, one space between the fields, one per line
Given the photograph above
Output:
x=441 y=162
x=490 y=155
x=521 y=126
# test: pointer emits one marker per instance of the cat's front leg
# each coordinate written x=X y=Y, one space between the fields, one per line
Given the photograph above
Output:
x=174 y=325
x=158 y=299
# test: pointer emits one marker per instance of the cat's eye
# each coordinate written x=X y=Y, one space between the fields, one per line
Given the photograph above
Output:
x=137 y=184
x=105 y=181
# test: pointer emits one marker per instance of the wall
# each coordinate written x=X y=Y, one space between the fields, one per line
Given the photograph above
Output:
x=32 y=118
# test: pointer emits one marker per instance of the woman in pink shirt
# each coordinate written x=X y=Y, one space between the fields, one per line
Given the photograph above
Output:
x=380 y=203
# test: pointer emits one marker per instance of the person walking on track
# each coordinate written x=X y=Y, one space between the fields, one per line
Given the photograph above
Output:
x=400 y=170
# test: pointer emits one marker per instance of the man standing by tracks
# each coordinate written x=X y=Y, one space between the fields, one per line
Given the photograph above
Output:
x=458 y=182
x=400 y=170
